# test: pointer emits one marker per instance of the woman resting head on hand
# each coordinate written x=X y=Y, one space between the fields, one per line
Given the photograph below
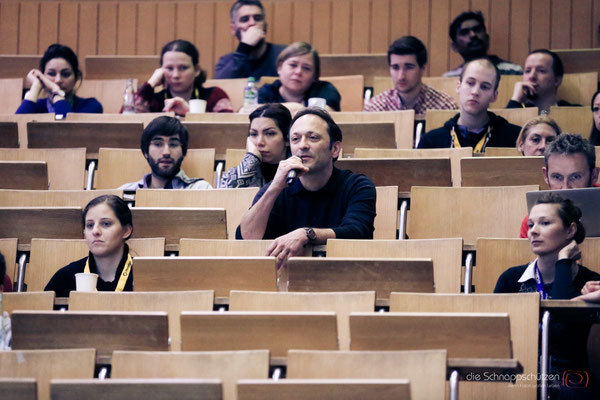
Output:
x=53 y=85
x=107 y=224
x=181 y=77
x=535 y=134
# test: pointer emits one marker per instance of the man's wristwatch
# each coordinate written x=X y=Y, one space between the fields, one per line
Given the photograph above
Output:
x=311 y=235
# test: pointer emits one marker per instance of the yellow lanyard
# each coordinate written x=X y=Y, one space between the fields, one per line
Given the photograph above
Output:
x=124 y=273
x=480 y=145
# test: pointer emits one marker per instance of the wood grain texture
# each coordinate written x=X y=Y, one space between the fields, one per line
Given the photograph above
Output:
x=503 y=171
x=26 y=223
x=28 y=301
x=8 y=248
x=19 y=388
x=52 y=198
x=24 y=175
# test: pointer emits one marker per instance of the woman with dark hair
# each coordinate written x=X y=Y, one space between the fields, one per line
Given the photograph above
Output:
x=267 y=144
x=107 y=224
x=53 y=85
x=299 y=67
x=535 y=134
x=181 y=77
x=595 y=134
x=555 y=231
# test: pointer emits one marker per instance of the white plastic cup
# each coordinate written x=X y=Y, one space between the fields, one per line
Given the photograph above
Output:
x=317 y=102
x=86 y=282
x=197 y=106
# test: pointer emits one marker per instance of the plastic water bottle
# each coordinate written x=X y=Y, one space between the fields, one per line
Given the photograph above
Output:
x=129 y=98
x=251 y=93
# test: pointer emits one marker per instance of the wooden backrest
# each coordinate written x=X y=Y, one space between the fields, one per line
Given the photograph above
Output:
x=333 y=274
x=217 y=117
x=9 y=135
x=173 y=303
x=18 y=66
x=387 y=213
x=176 y=223
x=109 y=92
x=502 y=171
x=228 y=366
x=502 y=152
x=49 y=255
x=8 y=248
x=119 y=166
x=22 y=120
x=342 y=303
x=218 y=135
x=426 y=369
x=11 y=90
x=26 y=223
x=148 y=389
x=233 y=157
x=579 y=60
x=66 y=167
x=350 y=88
x=446 y=255
x=363 y=134
x=367 y=65
x=28 y=301
x=91 y=135
x=121 y=67
x=235 y=201
x=454 y=154
x=253 y=330
x=382 y=83
x=103 y=330
x=437 y=212
x=225 y=248
x=221 y=274
x=402 y=172
x=578 y=88
x=19 y=388
x=44 y=365
x=233 y=87
x=144 y=118
x=517 y=116
x=523 y=310
x=403 y=123
x=24 y=175
x=574 y=119
x=52 y=198
x=445 y=85
x=336 y=389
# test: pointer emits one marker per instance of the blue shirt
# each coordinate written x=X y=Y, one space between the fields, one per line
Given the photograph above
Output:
x=80 y=105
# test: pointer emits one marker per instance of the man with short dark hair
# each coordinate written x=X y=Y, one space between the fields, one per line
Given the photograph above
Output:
x=254 y=56
x=569 y=163
x=470 y=39
x=324 y=202
x=164 y=145
x=474 y=126
x=542 y=76
x=407 y=57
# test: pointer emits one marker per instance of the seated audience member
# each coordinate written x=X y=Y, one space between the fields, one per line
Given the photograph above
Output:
x=5 y=284
x=474 y=126
x=470 y=39
x=181 y=77
x=555 y=231
x=267 y=144
x=164 y=145
x=407 y=57
x=595 y=134
x=324 y=202
x=254 y=56
x=298 y=67
x=536 y=134
x=107 y=224
x=542 y=75
x=53 y=85
x=570 y=163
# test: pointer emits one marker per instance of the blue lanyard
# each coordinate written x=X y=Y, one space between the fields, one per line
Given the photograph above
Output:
x=540 y=283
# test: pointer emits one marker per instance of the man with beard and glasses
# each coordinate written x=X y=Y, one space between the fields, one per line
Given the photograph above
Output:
x=324 y=202
x=254 y=56
x=470 y=39
x=570 y=163
x=164 y=144
x=407 y=57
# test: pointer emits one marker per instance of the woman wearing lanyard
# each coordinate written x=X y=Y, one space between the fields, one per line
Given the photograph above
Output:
x=555 y=230
x=107 y=224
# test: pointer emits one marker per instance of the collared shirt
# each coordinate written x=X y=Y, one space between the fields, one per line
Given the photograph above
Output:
x=428 y=99
x=505 y=68
x=345 y=204
x=179 y=181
